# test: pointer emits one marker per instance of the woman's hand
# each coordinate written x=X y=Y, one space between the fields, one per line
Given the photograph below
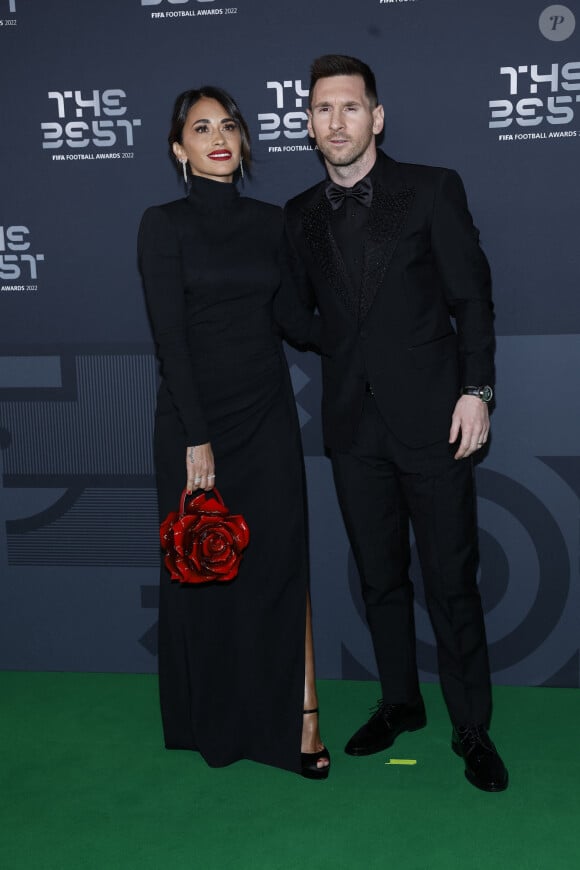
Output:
x=200 y=467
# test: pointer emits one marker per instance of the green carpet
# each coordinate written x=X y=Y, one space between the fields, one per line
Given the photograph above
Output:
x=86 y=783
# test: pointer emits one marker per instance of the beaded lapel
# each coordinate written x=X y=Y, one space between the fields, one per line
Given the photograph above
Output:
x=386 y=221
x=387 y=217
x=317 y=232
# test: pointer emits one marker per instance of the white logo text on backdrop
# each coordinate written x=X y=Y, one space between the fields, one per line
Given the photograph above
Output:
x=85 y=123
x=18 y=266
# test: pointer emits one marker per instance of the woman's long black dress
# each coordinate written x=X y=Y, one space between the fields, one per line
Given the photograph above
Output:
x=231 y=655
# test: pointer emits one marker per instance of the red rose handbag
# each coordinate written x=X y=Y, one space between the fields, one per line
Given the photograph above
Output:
x=203 y=542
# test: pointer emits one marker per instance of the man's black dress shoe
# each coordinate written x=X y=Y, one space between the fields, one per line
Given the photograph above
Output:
x=386 y=723
x=483 y=767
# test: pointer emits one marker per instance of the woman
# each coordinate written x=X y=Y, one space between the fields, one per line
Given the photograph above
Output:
x=236 y=665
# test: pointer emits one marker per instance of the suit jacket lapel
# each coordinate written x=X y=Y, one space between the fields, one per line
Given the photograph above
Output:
x=389 y=209
x=391 y=202
x=317 y=232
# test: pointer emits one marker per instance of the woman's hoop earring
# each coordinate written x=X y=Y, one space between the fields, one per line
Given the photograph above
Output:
x=184 y=167
x=241 y=167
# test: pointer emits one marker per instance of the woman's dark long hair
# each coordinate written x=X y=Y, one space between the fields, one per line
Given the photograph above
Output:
x=187 y=99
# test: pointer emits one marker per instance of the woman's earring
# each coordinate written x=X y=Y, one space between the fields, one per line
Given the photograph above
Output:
x=184 y=167
x=241 y=167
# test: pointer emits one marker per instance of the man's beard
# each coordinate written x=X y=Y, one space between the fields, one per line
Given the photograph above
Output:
x=345 y=159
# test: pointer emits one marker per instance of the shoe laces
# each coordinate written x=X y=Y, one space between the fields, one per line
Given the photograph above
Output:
x=382 y=709
x=474 y=735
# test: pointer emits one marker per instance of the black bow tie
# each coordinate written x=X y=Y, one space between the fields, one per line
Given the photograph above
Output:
x=362 y=192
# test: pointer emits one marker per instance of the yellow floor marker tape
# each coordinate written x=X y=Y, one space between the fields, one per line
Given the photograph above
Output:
x=401 y=761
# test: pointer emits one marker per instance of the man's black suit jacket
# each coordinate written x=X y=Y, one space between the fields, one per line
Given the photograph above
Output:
x=423 y=325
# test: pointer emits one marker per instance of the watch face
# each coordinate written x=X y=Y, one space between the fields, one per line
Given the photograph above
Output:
x=486 y=394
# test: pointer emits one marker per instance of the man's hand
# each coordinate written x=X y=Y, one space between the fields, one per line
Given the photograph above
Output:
x=471 y=418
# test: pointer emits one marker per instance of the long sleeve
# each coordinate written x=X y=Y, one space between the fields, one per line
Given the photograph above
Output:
x=160 y=264
x=294 y=303
x=466 y=278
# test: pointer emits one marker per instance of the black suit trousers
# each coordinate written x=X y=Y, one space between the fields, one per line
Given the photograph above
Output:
x=381 y=485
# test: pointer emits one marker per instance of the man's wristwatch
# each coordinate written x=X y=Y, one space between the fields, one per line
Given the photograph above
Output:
x=484 y=393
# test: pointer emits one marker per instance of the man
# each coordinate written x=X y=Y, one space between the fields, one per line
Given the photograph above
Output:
x=389 y=253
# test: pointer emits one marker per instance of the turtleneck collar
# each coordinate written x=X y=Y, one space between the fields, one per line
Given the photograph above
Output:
x=211 y=194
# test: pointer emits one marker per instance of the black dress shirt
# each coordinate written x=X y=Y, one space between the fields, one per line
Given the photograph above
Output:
x=348 y=224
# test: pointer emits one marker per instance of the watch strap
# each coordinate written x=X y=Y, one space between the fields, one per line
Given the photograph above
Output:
x=485 y=393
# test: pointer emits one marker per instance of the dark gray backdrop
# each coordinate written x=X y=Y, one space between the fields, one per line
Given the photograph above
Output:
x=491 y=88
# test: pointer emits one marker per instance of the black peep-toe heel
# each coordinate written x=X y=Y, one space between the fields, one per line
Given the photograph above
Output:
x=310 y=769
